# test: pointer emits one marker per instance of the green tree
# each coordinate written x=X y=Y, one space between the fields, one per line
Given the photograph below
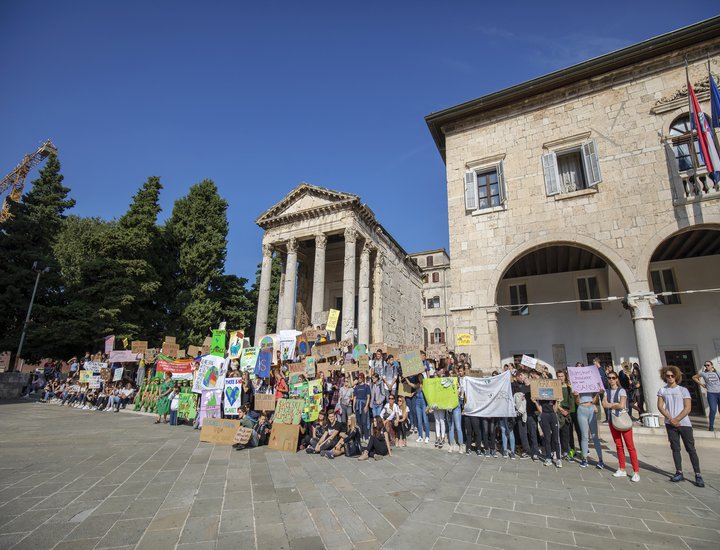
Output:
x=26 y=238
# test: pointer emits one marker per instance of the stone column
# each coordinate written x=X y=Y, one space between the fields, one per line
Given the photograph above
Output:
x=318 y=292
x=647 y=344
x=364 y=295
x=264 y=293
x=377 y=315
x=281 y=292
x=348 y=307
x=290 y=286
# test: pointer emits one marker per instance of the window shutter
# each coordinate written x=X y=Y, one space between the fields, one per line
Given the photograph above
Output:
x=590 y=161
x=501 y=182
x=471 y=202
x=550 y=170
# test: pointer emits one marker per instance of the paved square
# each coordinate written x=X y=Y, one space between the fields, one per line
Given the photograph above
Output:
x=76 y=480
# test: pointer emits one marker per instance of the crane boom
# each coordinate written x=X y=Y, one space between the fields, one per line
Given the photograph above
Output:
x=15 y=180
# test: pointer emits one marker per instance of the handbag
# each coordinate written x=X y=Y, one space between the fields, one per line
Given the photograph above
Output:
x=621 y=421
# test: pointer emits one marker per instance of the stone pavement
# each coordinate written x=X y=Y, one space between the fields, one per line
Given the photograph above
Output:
x=77 y=480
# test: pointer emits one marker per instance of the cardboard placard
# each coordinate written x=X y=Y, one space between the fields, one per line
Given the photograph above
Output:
x=310 y=367
x=296 y=367
x=288 y=411
x=546 y=389
x=105 y=374
x=243 y=435
x=150 y=355
x=264 y=402
x=194 y=351
x=284 y=437
x=171 y=350
x=219 y=430
x=139 y=346
x=302 y=346
x=585 y=379
x=333 y=316
x=412 y=364
x=405 y=389
x=169 y=340
x=529 y=362
x=85 y=376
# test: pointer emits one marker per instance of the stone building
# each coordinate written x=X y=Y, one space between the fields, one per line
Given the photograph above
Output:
x=336 y=255
x=579 y=225
x=436 y=319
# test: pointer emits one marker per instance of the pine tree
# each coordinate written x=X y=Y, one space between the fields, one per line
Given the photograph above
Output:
x=26 y=238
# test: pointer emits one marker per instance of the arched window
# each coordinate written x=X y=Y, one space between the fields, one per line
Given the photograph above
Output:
x=681 y=134
x=438 y=336
x=436 y=277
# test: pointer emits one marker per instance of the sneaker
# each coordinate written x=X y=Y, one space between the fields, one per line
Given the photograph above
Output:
x=699 y=481
x=512 y=456
x=450 y=449
x=547 y=462
x=479 y=453
x=330 y=455
x=535 y=458
x=378 y=457
x=419 y=440
x=524 y=456
x=558 y=463
x=600 y=465
x=584 y=464
x=635 y=478
x=427 y=440
x=677 y=477
x=620 y=473
x=506 y=454
x=363 y=456
x=467 y=452
x=436 y=443
x=439 y=444
x=494 y=454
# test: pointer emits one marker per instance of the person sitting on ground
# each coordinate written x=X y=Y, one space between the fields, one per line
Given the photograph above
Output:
x=126 y=395
x=348 y=442
x=317 y=430
x=330 y=438
x=379 y=444
x=389 y=414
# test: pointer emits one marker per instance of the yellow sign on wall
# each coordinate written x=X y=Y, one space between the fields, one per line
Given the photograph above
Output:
x=463 y=339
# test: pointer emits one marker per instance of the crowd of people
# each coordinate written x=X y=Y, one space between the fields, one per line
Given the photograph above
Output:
x=368 y=414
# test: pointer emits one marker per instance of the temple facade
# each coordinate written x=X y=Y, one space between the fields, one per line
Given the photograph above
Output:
x=336 y=255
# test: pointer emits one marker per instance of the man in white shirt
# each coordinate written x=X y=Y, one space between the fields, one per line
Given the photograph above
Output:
x=674 y=403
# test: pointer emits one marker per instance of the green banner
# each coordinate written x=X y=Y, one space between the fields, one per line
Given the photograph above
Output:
x=441 y=393
x=187 y=406
x=217 y=346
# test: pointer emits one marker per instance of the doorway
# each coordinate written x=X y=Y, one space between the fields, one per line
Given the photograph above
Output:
x=685 y=361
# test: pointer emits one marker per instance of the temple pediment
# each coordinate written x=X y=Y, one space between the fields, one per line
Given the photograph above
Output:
x=306 y=200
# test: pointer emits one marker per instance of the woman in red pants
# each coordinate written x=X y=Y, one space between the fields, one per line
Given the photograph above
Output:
x=615 y=400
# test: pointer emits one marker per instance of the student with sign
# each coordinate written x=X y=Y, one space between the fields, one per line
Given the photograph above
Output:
x=586 y=401
x=550 y=429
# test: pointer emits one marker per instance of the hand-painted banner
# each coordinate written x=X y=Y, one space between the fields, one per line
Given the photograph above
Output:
x=333 y=316
x=231 y=399
x=360 y=349
x=236 y=339
x=488 y=397
x=180 y=366
x=441 y=393
x=123 y=356
x=118 y=374
x=302 y=346
x=585 y=379
x=139 y=346
x=311 y=394
x=248 y=359
x=288 y=411
x=263 y=365
x=95 y=366
x=217 y=344
x=85 y=376
x=287 y=350
x=94 y=382
x=269 y=343
x=210 y=404
x=187 y=406
x=210 y=374
x=310 y=367
x=412 y=364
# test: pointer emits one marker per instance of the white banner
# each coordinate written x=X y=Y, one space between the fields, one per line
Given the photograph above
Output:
x=231 y=395
x=95 y=366
x=489 y=397
x=210 y=374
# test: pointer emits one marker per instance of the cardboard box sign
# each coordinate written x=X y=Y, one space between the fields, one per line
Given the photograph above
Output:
x=171 y=350
x=193 y=351
x=243 y=435
x=296 y=367
x=546 y=389
x=264 y=402
x=139 y=346
x=219 y=430
x=169 y=340
x=412 y=364
x=284 y=437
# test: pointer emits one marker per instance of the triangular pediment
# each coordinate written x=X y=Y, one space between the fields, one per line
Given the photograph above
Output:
x=306 y=200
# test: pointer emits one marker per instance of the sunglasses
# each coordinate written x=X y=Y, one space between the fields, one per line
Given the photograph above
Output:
x=612 y=377
x=708 y=364
x=669 y=375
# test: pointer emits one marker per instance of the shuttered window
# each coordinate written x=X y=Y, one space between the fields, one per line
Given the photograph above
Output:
x=571 y=169
x=485 y=188
x=519 y=300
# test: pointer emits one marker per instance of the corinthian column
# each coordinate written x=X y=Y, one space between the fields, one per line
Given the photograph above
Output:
x=264 y=293
x=348 y=306
x=318 y=295
x=364 y=295
x=290 y=284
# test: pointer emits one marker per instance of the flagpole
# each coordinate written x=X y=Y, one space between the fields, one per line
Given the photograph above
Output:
x=710 y=85
x=693 y=155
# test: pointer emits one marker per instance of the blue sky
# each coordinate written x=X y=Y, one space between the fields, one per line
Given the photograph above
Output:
x=260 y=96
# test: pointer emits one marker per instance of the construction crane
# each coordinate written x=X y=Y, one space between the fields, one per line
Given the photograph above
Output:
x=15 y=180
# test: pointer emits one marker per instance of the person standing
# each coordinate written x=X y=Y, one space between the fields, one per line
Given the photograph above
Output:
x=423 y=424
x=616 y=401
x=587 y=418
x=709 y=380
x=361 y=405
x=566 y=408
x=674 y=403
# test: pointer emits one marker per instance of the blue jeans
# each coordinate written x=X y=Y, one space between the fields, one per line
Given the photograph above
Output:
x=455 y=425
x=363 y=418
x=507 y=434
x=173 y=418
x=376 y=411
x=422 y=418
x=587 y=420
x=412 y=414
x=713 y=403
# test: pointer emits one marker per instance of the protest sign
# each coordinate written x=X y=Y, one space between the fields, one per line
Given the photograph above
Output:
x=437 y=352
x=412 y=364
x=284 y=437
x=287 y=350
x=395 y=352
x=94 y=382
x=193 y=351
x=302 y=347
x=360 y=349
x=105 y=374
x=231 y=402
x=210 y=374
x=441 y=393
x=585 y=379
x=326 y=352
x=169 y=340
x=219 y=430
x=263 y=365
x=267 y=343
x=296 y=367
x=217 y=344
x=288 y=411
x=109 y=343
x=139 y=346
x=118 y=374
x=123 y=356
x=243 y=435
x=150 y=355
x=209 y=404
x=85 y=376
x=529 y=362
x=179 y=367
x=236 y=339
x=314 y=334
x=333 y=316
x=463 y=339
x=248 y=359
x=264 y=402
x=187 y=406
x=95 y=366
x=405 y=389
x=310 y=367
x=489 y=397
x=171 y=350
x=546 y=389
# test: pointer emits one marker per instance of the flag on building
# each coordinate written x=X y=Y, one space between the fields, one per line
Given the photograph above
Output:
x=704 y=135
x=714 y=102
